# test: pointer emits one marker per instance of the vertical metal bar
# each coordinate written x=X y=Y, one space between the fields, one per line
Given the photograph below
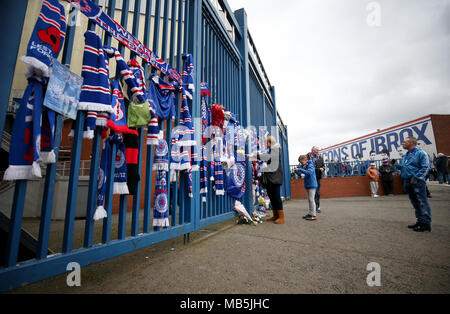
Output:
x=136 y=18
x=95 y=159
x=164 y=30
x=149 y=160
x=164 y=57
x=12 y=17
x=122 y=217
x=47 y=202
x=147 y=25
x=137 y=197
x=124 y=21
x=156 y=25
x=173 y=186
x=75 y=163
x=110 y=12
x=106 y=235
x=180 y=36
x=73 y=183
x=15 y=227
x=148 y=189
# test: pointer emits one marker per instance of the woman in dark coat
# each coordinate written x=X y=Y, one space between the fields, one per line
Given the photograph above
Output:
x=273 y=178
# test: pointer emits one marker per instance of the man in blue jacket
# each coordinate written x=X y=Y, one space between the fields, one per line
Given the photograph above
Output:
x=414 y=168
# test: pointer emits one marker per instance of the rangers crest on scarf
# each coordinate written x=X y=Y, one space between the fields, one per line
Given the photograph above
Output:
x=161 y=203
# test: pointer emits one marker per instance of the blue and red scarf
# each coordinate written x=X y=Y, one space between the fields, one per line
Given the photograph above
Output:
x=120 y=186
x=161 y=202
x=46 y=39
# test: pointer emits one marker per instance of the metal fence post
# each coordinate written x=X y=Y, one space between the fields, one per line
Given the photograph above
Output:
x=12 y=17
x=242 y=45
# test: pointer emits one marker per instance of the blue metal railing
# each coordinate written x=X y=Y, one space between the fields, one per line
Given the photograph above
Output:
x=222 y=61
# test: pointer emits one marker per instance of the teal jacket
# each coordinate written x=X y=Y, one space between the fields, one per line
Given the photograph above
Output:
x=415 y=165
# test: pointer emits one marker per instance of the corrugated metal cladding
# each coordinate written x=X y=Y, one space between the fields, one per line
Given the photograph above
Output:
x=256 y=102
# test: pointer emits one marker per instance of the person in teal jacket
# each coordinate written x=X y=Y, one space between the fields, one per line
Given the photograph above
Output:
x=414 y=169
x=307 y=168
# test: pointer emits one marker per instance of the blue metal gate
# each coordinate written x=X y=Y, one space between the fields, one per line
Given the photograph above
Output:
x=224 y=56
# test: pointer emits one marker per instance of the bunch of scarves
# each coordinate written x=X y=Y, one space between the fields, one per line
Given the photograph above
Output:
x=120 y=186
x=33 y=131
x=95 y=97
x=184 y=154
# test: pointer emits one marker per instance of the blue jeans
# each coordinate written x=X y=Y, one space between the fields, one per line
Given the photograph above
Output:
x=418 y=197
x=443 y=177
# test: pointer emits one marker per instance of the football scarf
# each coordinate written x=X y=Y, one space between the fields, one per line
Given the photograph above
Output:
x=186 y=130
x=218 y=171
x=235 y=181
x=95 y=93
x=94 y=13
x=161 y=157
x=120 y=173
x=133 y=87
x=26 y=135
x=138 y=73
x=188 y=79
x=46 y=39
x=131 y=142
x=204 y=159
x=161 y=202
x=118 y=118
x=47 y=155
x=153 y=131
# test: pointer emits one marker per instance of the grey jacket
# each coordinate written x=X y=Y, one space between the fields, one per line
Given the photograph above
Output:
x=274 y=171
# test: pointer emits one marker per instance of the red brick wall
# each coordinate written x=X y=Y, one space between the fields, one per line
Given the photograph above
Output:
x=343 y=187
x=441 y=127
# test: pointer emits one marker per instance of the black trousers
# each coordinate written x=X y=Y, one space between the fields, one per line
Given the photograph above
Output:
x=388 y=187
x=274 y=193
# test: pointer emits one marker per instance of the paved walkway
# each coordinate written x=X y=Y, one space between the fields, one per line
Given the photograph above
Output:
x=327 y=256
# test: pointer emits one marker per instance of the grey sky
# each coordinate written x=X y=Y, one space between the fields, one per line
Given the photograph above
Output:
x=337 y=78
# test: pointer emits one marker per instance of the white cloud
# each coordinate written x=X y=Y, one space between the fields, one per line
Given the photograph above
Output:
x=336 y=78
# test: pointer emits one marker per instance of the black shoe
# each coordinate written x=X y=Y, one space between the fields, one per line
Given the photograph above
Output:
x=422 y=228
x=311 y=218
x=306 y=217
x=414 y=226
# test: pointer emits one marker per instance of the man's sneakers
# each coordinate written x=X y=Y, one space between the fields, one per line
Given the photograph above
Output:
x=318 y=210
x=414 y=226
x=310 y=218
x=375 y=196
x=420 y=227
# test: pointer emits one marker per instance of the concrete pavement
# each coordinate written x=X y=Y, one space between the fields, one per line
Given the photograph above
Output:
x=327 y=256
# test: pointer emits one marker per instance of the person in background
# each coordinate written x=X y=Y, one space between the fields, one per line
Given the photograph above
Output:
x=441 y=167
x=415 y=166
x=319 y=166
x=373 y=175
x=387 y=177
x=307 y=168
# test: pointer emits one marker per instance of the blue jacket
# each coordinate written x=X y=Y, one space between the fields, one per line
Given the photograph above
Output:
x=310 y=175
x=415 y=165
